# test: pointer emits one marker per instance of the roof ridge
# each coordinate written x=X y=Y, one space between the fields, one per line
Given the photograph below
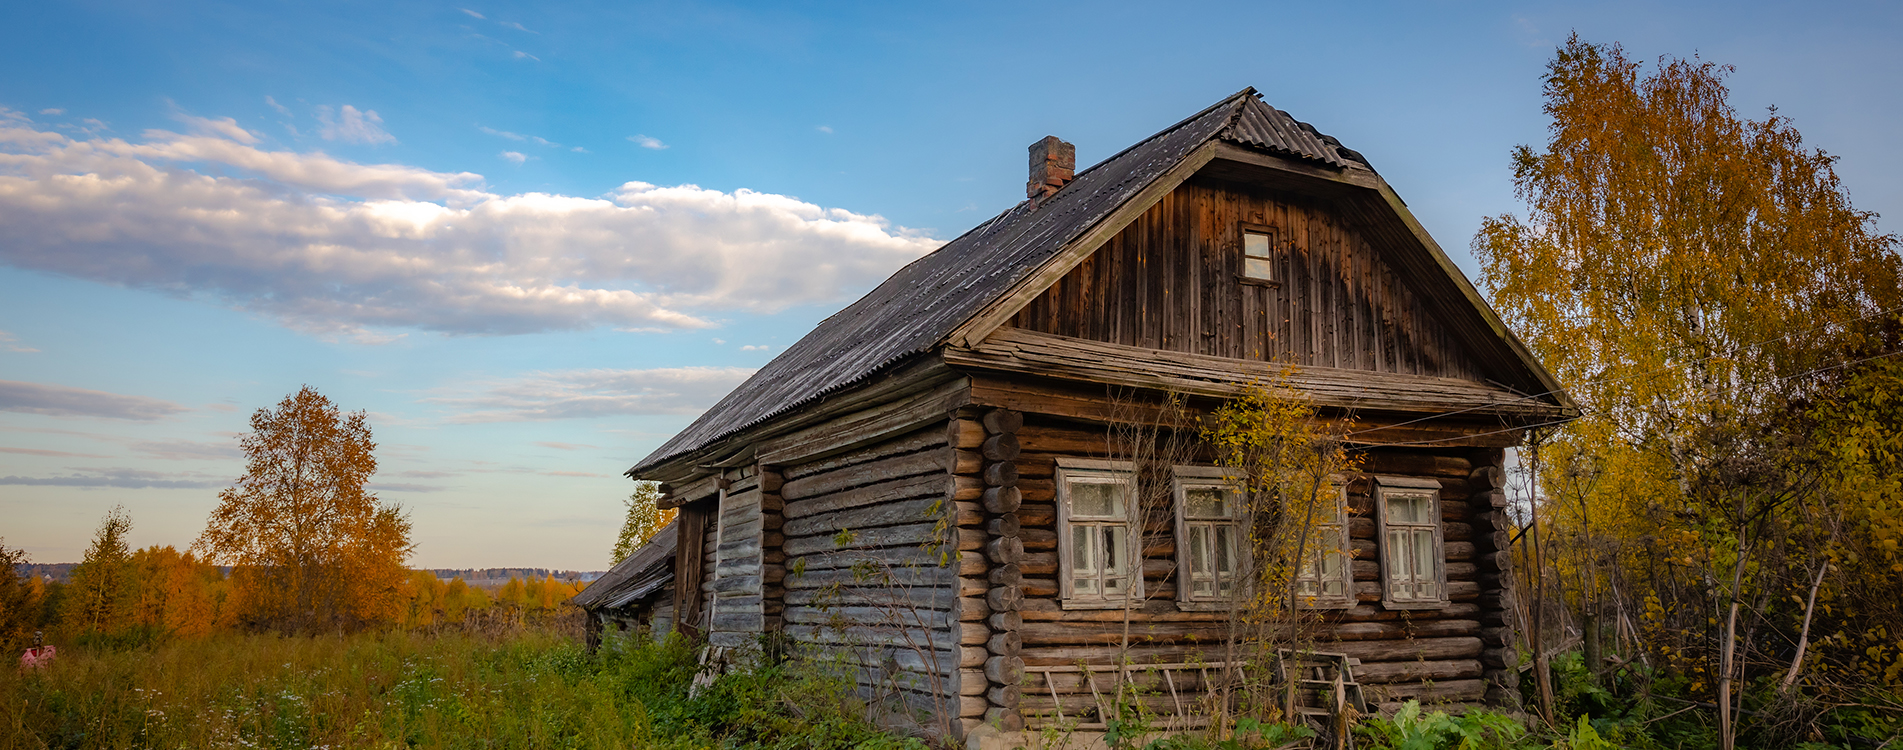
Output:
x=1246 y=91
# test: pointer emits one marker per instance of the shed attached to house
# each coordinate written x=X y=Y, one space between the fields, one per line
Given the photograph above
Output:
x=919 y=482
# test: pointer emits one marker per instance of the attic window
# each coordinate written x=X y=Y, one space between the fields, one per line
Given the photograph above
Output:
x=1258 y=254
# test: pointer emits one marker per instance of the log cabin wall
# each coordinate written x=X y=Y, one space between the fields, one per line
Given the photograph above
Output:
x=871 y=557
x=735 y=587
x=1170 y=281
x=1455 y=654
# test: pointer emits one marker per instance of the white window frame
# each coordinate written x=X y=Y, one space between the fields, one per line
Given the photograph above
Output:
x=1182 y=479
x=1068 y=468
x=1385 y=488
x=1310 y=569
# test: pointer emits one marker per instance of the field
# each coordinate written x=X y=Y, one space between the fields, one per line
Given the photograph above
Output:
x=391 y=689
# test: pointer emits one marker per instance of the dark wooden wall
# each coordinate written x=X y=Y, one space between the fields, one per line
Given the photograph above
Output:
x=883 y=594
x=1453 y=654
x=1169 y=281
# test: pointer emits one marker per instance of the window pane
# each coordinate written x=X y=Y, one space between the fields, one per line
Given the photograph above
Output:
x=1207 y=502
x=1401 y=567
x=1114 y=550
x=1225 y=550
x=1096 y=498
x=1082 y=557
x=1199 y=557
x=1401 y=509
x=1258 y=268
x=1255 y=245
x=1424 y=554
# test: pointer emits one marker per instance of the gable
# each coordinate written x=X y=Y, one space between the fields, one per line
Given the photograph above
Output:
x=1171 y=281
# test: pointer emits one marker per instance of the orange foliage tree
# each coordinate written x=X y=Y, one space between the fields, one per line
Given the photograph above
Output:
x=310 y=548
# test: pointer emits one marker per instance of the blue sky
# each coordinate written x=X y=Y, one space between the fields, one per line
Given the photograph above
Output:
x=532 y=240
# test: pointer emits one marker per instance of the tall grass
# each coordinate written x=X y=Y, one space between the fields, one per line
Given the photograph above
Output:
x=401 y=689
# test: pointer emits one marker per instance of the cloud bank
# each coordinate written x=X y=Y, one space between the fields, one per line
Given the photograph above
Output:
x=63 y=401
x=337 y=248
x=595 y=393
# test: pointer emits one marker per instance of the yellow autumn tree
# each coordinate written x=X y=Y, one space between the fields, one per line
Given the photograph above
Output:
x=99 y=600
x=644 y=519
x=1691 y=275
x=311 y=548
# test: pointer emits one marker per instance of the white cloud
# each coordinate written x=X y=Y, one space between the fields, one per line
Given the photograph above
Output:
x=64 y=401
x=519 y=27
x=351 y=125
x=502 y=133
x=224 y=127
x=520 y=55
x=579 y=150
x=12 y=343
x=595 y=393
x=513 y=156
x=335 y=248
x=52 y=111
x=282 y=110
x=828 y=129
x=647 y=142
x=756 y=347
x=472 y=13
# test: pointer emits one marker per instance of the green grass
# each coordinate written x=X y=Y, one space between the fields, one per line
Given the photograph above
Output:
x=398 y=689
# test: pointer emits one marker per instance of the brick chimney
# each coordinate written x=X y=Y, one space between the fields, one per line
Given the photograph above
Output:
x=1053 y=163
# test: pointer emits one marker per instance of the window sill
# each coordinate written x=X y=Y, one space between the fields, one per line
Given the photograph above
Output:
x=1385 y=604
x=1100 y=603
x=1205 y=606
x=1252 y=281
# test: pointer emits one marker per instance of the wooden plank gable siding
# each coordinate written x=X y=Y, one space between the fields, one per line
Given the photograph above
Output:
x=862 y=581
x=1169 y=281
x=734 y=544
x=1456 y=653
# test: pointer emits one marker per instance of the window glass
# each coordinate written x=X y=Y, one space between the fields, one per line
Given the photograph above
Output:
x=1210 y=562
x=1097 y=527
x=1323 y=578
x=1257 y=261
x=1411 y=550
x=1095 y=496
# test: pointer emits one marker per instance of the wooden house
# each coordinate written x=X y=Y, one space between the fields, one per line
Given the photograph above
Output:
x=943 y=443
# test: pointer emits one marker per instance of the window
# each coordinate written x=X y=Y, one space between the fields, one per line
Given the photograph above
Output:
x=1326 y=578
x=1097 y=558
x=1258 y=257
x=1211 y=533
x=1413 y=574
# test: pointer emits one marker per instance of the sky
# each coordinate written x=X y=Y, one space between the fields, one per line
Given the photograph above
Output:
x=533 y=240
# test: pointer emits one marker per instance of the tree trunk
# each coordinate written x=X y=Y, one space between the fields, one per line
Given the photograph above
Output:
x=1803 y=634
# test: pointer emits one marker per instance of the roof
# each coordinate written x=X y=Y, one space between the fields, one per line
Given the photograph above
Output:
x=918 y=307
x=639 y=574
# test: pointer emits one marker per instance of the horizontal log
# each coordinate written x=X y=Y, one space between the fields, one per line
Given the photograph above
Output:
x=1488 y=477
x=1376 y=613
x=1445 y=691
x=964 y=433
x=1423 y=649
x=892 y=513
x=1002 y=499
x=1375 y=673
x=884 y=536
x=890 y=617
x=903 y=488
x=1002 y=447
x=1002 y=421
x=900 y=577
x=922 y=439
x=911 y=464
x=1415 y=463
x=1004 y=696
x=1091 y=633
x=964 y=461
x=1004 y=621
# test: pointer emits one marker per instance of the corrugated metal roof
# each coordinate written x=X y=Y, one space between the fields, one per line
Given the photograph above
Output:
x=915 y=309
x=641 y=572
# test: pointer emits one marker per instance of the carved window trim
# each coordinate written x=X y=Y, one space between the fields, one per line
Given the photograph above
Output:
x=1183 y=479
x=1333 y=532
x=1086 y=471
x=1401 y=569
